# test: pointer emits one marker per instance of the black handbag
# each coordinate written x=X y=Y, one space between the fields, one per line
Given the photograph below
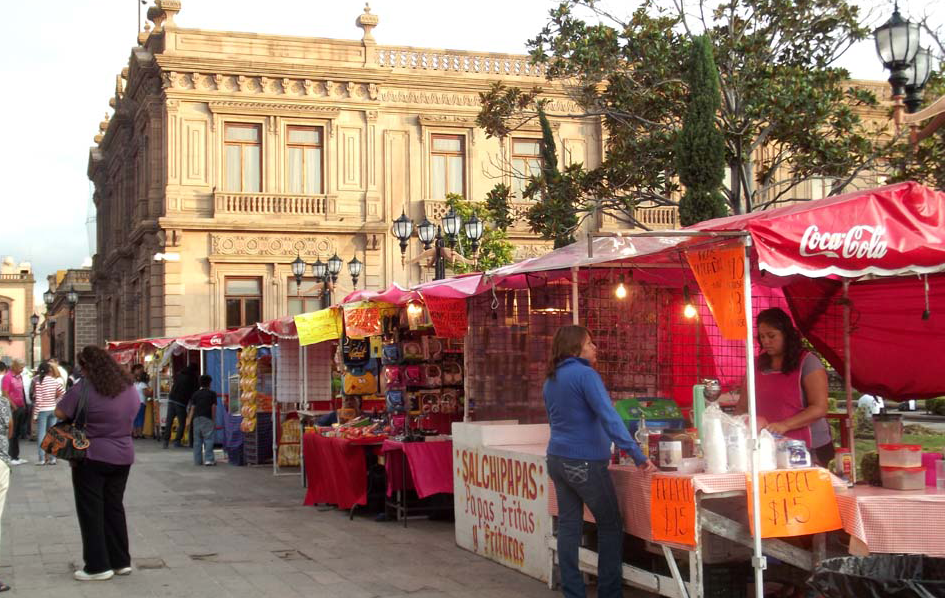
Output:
x=67 y=440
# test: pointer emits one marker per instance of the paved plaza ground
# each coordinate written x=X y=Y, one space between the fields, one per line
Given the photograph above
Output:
x=235 y=531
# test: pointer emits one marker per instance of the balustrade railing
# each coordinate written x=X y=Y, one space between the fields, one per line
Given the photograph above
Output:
x=505 y=65
x=267 y=203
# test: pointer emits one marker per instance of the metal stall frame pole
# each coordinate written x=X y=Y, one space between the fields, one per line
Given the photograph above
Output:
x=758 y=561
x=275 y=409
x=848 y=377
x=302 y=402
x=574 y=296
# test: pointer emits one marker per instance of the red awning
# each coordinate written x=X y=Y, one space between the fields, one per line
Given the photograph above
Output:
x=157 y=343
x=887 y=231
x=282 y=328
x=394 y=294
x=225 y=339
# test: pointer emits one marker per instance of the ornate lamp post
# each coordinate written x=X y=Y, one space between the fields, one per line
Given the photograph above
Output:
x=474 y=230
x=403 y=227
x=34 y=321
x=917 y=75
x=48 y=298
x=298 y=270
x=432 y=235
x=73 y=298
x=354 y=269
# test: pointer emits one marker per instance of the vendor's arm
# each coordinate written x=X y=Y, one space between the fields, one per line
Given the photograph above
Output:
x=599 y=401
x=742 y=405
x=815 y=389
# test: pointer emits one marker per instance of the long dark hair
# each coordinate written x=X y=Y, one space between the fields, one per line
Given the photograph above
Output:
x=568 y=342
x=776 y=318
x=107 y=377
x=42 y=370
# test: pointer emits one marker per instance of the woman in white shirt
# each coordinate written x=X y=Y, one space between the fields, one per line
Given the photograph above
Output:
x=144 y=392
x=48 y=391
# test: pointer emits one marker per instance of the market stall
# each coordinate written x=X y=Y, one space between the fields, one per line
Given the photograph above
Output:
x=892 y=235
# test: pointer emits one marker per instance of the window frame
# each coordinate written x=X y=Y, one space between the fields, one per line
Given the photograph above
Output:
x=516 y=193
x=242 y=144
x=227 y=296
x=321 y=146
x=305 y=298
x=462 y=154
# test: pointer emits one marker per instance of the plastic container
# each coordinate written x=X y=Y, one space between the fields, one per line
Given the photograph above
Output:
x=675 y=445
x=903 y=478
x=900 y=455
x=888 y=428
x=928 y=462
x=843 y=464
x=793 y=454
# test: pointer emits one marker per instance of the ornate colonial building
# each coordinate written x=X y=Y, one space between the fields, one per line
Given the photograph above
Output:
x=16 y=307
x=229 y=154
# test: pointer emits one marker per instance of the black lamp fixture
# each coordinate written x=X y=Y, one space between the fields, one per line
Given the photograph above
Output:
x=354 y=269
x=319 y=269
x=474 y=230
x=72 y=297
x=48 y=298
x=917 y=75
x=334 y=267
x=34 y=321
x=298 y=270
x=426 y=233
x=403 y=228
x=897 y=42
x=451 y=223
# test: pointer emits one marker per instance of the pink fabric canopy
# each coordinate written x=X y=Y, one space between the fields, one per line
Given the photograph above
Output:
x=225 y=339
x=283 y=328
x=394 y=294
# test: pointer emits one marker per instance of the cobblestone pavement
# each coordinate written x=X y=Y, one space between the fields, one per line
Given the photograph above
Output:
x=235 y=531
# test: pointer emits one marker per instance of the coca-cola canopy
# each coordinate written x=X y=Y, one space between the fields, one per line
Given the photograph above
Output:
x=892 y=230
x=157 y=343
x=225 y=339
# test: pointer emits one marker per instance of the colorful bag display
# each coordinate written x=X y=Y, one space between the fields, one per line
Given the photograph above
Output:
x=395 y=401
x=433 y=348
x=431 y=376
x=359 y=382
x=449 y=401
x=413 y=375
x=391 y=354
x=452 y=373
x=355 y=351
x=429 y=401
x=412 y=351
x=393 y=378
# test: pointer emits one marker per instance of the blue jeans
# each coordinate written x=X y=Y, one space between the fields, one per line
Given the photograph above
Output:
x=44 y=421
x=203 y=440
x=587 y=482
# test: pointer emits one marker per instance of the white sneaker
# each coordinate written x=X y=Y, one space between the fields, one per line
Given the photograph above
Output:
x=81 y=575
x=123 y=571
x=19 y=461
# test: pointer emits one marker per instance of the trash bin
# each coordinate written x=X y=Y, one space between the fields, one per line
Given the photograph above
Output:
x=881 y=576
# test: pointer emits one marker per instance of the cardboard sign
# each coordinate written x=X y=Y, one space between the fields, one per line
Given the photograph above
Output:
x=673 y=510
x=448 y=316
x=720 y=273
x=795 y=502
x=318 y=326
x=363 y=319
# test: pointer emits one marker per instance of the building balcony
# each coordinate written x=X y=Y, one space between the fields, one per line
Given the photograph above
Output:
x=658 y=217
x=17 y=277
x=255 y=204
x=435 y=209
x=4 y=327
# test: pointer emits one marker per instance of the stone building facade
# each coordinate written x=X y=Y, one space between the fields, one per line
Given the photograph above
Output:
x=67 y=328
x=16 y=307
x=230 y=154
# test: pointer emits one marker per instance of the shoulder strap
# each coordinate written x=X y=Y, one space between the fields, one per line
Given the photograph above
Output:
x=81 y=409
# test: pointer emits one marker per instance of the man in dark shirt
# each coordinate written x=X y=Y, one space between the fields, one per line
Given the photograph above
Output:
x=185 y=384
x=203 y=410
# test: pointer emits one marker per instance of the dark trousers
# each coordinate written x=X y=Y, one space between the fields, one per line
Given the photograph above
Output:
x=99 y=489
x=587 y=482
x=20 y=416
x=180 y=412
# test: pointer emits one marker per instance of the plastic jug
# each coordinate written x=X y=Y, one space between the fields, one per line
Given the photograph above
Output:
x=888 y=428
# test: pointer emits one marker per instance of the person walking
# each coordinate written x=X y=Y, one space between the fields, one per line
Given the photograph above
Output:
x=12 y=388
x=47 y=391
x=583 y=424
x=144 y=393
x=203 y=411
x=6 y=430
x=184 y=387
x=99 y=480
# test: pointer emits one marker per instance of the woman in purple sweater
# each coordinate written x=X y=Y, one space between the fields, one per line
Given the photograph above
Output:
x=98 y=481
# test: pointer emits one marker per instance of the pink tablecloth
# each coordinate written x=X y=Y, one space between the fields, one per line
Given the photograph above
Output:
x=895 y=521
x=430 y=466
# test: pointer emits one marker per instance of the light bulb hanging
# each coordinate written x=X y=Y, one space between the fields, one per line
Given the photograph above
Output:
x=621 y=290
x=689 y=310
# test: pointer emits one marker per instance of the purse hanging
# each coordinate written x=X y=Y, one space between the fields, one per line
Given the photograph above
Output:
x=67 y=440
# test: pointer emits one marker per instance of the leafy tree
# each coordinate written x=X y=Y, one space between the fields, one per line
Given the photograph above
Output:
x=924 y=163
x=495 y=249
x=700 y=148
x=779 y=91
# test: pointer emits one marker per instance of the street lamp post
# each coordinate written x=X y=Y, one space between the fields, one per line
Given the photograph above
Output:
x=354 y=269
x=432 y=235
x=48 y=298
x=34 y=321
x=72 y=297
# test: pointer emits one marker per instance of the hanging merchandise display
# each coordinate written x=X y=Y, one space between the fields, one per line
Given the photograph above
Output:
x=255 y=369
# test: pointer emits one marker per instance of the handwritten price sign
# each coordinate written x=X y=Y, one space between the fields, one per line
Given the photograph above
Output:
x=673 y=510
x=795 y=502
x=363 y=319
x=448 y=316
x=318 y=326
x=720 y=273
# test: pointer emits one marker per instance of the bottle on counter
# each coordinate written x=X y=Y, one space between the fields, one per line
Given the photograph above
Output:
x=642 y=436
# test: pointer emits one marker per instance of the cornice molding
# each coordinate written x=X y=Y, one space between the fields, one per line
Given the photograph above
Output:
x=267 y=108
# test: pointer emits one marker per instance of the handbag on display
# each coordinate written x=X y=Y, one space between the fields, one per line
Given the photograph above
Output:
x=432 y=376
x=449 y=401
x=429 y=401
x=392 y=378
x=391 y=354
x=412 y=351
x=355 y=351
x=433 y=348
x=359 y=382
x=413 y=375
x=395 y=401
x=67 y=440
x=452 y=373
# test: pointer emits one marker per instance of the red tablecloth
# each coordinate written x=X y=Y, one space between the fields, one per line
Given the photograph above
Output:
x=895 y=521
x=430 y=466
x=336 y=471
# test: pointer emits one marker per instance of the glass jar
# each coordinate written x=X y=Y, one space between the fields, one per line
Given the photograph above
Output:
x=675 y=445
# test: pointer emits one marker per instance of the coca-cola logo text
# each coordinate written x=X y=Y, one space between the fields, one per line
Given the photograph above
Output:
x=861 y=241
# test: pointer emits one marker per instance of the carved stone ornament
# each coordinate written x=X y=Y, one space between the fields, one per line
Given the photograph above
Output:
x=523 y=252
x=367 y=22
x=352 y=89
x=309 y=87
x=329 y=85
x=373 y=91
x=270 y=245
x=267 y=108
x=447 y=120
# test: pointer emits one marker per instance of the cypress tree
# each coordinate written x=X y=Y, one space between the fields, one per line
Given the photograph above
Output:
x=700 y=147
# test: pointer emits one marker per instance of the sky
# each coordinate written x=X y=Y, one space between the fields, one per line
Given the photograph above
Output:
x=59 y=61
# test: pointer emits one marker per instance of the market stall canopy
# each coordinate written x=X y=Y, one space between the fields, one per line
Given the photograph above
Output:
x=157 y=343
x=282 y=328
x=394 y=294
x=225 y=339
x=888 y=231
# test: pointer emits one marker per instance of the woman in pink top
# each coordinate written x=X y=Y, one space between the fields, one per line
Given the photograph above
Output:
x=48 y=391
